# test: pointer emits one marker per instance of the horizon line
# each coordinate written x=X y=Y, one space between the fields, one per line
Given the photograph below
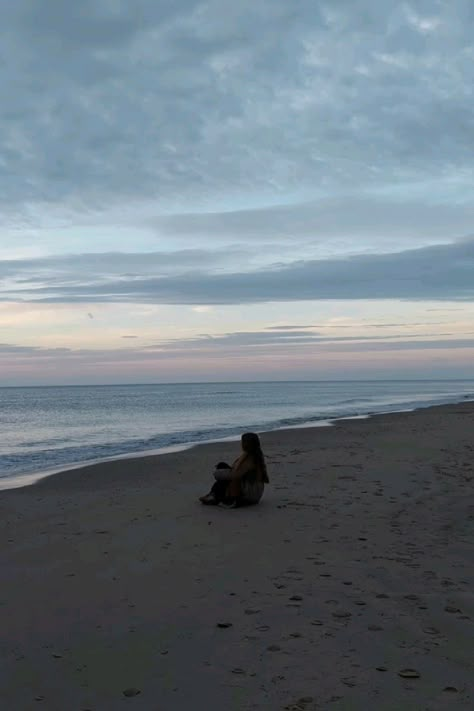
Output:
x=238 y=382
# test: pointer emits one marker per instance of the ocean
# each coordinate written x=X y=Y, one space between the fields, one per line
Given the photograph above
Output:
x=46 y=429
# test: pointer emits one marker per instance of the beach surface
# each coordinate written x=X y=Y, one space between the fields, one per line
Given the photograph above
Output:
x=350 y=587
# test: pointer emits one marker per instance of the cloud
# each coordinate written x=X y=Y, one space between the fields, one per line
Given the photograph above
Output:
x=107 y=265
x=258 y=151
x=288 y=328
x=443 y=272
x=254 y=340
x=12 y=349
x=196 y=102
x=245 y=345
x=354 y=219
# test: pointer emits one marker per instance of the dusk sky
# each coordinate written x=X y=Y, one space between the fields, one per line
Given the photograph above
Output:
x=252 y=190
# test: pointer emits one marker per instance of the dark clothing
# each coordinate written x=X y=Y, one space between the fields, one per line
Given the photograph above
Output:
x=238 y=485
x=219 y=489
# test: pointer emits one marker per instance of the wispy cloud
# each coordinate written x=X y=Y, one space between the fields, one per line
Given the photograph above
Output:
x=347 y=222
x=110 y=264
x=443 y=272
x=289 y=328
x=240 y=344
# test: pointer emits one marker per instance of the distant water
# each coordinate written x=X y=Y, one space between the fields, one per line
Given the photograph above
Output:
x=49 y=428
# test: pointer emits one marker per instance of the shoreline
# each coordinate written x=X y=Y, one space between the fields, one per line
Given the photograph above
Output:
x=32 y=478
x=357 y=565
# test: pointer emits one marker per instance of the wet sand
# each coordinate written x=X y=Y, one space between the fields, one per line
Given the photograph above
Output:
x=358 y=565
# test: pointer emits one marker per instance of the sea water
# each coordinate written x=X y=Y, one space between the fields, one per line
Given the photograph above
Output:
x=50 y=428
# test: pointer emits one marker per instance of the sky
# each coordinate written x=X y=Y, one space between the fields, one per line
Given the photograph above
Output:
x=261 y=190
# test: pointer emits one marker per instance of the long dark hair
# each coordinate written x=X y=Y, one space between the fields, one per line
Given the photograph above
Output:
x=251 y=445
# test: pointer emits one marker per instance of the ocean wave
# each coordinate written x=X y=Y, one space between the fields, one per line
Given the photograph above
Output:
x=261 y=408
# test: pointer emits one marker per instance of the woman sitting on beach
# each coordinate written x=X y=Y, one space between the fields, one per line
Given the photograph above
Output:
x=241 y=484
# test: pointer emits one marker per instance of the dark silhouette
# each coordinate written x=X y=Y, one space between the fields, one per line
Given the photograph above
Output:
x=243 y=483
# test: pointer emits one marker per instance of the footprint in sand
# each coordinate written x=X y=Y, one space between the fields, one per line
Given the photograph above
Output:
x=409 y=674
x=341 y=614
x=452 y=609
x=131 y=692
x=431 y=630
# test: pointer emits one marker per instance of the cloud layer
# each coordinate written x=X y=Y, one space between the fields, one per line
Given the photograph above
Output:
x=180 y=101
x=313 y=159
x=432 y=273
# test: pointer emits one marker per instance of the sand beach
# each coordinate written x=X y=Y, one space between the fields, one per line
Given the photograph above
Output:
x=349 y=588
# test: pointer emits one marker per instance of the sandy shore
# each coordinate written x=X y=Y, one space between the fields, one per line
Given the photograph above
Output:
x=358 y=564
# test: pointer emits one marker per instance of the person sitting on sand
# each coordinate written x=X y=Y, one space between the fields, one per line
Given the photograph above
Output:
x=241 y=484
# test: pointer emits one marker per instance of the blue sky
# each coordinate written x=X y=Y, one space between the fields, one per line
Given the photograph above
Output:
x=254 y=190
